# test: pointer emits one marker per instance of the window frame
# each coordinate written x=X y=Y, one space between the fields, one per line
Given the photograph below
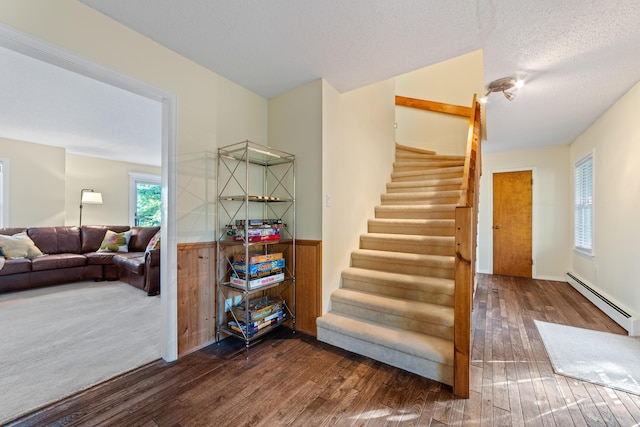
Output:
x=582 y=202
x=136 y=178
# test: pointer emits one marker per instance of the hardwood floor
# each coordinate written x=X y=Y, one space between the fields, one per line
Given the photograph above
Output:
x=292 y=379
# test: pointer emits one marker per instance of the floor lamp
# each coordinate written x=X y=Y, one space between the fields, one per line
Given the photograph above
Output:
x=89 y=197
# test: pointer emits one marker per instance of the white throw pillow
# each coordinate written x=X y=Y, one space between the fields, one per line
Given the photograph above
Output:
x=19 y=246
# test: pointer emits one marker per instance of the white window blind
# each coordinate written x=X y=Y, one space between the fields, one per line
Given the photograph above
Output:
x=583 y=221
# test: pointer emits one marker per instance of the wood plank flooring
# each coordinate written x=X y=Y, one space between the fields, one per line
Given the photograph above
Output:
x=294 y=380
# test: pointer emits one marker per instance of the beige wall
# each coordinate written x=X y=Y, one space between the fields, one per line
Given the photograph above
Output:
x=615 y=140
x=295 y=126
x=552 y=207
x=36 y=184
x=452 y=82
x=32 y=203
x=357 y=154
x=108 y=177
x=211 y=110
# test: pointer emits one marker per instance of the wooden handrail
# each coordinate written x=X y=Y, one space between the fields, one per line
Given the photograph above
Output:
x=466 y=231
x=438 y=107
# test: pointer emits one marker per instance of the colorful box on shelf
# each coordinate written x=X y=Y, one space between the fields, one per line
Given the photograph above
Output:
x=254 y=234
x=241 y=327
x=258 y=222
x=257 y=283
x=260 y=269
x=260 y=309
x=256 y=257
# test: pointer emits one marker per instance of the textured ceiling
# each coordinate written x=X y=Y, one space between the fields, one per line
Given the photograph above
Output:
x=577 y=57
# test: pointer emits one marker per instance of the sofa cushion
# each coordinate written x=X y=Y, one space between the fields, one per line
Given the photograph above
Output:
x=140 y=237
x=100 y=258
x=133 y=262
x=92 y=235
x=15 y=266
x=58 y=261
x=10 y=231
x=18 y=246
x=56 y=240
x=115 y=242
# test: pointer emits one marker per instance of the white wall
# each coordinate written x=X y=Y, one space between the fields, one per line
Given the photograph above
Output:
x=111 y=178
x=295 y=126
x=36 y=184
x=357 y=155
x=614 y=270
x=452 y=82
x=552 y=212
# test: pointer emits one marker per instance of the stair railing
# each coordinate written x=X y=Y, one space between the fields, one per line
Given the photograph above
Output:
x=466 y=226
x=465 y=264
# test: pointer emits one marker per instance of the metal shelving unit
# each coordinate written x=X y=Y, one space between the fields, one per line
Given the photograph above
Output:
x=255 y=183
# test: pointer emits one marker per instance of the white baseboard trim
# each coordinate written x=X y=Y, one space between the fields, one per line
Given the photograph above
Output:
x=616 y=311
x=552 y=278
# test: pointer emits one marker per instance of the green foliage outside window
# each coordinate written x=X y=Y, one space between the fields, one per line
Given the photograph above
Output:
x=148 y=205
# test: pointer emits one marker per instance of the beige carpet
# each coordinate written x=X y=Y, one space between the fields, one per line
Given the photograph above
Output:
x=603 y=358
x=59 y=340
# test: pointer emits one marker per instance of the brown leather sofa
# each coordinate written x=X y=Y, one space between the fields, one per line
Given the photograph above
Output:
x=71 y=254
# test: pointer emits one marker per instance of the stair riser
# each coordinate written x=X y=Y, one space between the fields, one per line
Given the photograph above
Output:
x=423 y=201
x=418 y=268
x=450 y=187
x=423 y=367
x=390 y=319
x=387 y=289
x=406 y=247
x=413 y=157
x=424 y=166
x=399 y=213
x=411 y=229
x=425 y=183
x=426 y=175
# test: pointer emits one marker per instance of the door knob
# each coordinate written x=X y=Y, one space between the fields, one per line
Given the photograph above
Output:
x=496 y=227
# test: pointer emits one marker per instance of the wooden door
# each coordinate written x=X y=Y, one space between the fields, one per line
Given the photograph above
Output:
x=512 y=213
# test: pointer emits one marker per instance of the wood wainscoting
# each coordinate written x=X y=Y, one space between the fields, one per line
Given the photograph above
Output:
x=308 y=284
x=197 y=296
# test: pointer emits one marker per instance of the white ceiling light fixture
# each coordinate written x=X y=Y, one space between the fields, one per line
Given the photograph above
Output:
x=506 y=85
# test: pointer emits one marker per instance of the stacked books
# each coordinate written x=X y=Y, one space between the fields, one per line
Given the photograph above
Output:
x=255 y=230
x=263 y=312
x=260 y=270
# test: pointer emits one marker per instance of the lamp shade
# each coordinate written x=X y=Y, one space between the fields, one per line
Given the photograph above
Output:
x=91 y=198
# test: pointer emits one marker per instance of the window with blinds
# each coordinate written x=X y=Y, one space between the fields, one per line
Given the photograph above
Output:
x=583 y=221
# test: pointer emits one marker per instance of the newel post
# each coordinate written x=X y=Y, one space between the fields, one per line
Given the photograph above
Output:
x=462 y=298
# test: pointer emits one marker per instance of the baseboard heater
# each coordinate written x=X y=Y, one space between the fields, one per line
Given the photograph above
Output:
x=611 y=309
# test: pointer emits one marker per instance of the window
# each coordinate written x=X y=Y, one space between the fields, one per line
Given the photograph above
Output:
x=146 y=196
x=583 y=221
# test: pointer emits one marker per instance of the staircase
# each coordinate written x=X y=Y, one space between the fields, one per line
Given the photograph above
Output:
x=396 y=303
